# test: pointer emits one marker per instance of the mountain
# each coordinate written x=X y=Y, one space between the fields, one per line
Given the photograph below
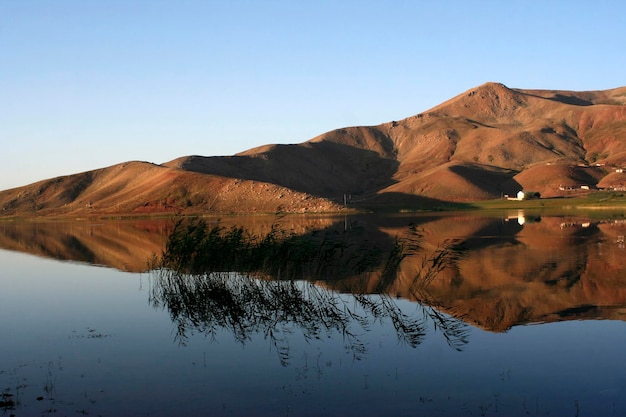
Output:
x=484 y=143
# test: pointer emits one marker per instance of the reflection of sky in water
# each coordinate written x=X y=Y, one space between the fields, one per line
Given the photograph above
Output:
x=88 y=338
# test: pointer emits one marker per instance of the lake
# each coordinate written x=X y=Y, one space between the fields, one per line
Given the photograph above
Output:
x=477 y=314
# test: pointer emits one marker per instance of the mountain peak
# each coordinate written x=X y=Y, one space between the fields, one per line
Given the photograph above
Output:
x=490 y=101
x=492 y=85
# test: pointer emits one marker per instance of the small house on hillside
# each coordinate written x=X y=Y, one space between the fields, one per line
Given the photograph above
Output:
x=519 y=196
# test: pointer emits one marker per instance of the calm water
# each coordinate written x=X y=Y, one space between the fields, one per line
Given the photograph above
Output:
x=529 y=321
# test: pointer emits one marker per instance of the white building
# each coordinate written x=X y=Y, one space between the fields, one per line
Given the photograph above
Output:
x=519 y=197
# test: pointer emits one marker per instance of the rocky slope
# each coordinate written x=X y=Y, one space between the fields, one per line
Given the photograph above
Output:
x=484 y=143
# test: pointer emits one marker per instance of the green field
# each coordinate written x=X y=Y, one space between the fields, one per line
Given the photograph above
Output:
x=596 y=200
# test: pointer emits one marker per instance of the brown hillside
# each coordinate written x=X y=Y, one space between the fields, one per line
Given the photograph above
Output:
x=543 y=178
x=143 y=188
x=486 y=142
x=463 y=181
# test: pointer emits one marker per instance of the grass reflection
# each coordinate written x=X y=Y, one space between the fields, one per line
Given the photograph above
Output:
x=279 y=284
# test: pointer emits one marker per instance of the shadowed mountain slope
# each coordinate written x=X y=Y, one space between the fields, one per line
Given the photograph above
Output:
x=484 y=143
x=355 y=160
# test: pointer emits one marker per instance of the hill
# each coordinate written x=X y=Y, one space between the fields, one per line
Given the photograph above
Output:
x=484 y=143
x=144 y=188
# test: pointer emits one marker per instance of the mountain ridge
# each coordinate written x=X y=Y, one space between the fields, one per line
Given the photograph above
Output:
x=484 y=143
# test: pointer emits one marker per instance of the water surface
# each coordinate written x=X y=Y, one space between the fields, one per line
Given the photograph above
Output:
x=528 y=321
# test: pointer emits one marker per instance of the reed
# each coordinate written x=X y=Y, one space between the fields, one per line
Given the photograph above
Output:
x=212 y=279
x=194 y=248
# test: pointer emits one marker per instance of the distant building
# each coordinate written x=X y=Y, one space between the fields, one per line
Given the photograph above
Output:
x=574 y=187
x=519 y=197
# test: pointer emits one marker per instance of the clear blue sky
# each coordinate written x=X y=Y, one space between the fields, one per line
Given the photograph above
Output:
x=86 y=84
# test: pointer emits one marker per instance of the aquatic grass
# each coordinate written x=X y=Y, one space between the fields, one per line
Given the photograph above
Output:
x=244 y=306
x=194 y=248
x=210 y=279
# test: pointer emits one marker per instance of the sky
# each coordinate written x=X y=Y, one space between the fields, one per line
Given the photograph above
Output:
x=86 y=84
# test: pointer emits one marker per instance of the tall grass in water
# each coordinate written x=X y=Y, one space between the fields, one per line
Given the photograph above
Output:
x=245 y=306
x=211 y=279
x=195 y=248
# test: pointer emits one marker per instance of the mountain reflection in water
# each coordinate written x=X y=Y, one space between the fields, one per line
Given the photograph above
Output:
x=515 y=269
x=120 y=244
